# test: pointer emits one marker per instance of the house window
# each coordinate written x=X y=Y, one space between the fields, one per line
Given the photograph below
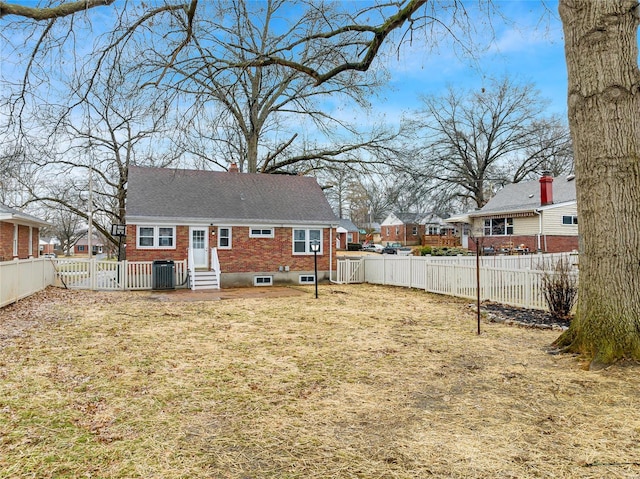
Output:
x=262 y=280
x=307 y=279
x=387 y=231
x=349 y=237
x=570 y=220
x=302 y=240
x=434 y=230
x=414 y=231
x=30 y=241
x=261 y=233
x=224 y=238
x=397 y=231
x=498 y=227
x=80 y=247
x=156 y=237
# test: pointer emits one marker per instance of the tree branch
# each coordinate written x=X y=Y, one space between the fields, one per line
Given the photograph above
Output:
x=39 y=14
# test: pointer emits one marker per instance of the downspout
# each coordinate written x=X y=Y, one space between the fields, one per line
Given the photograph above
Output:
x=539 y=213
x=330 y=252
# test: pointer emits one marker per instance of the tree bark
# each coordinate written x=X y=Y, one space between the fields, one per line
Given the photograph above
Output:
x=601 y=48
x=37 y=13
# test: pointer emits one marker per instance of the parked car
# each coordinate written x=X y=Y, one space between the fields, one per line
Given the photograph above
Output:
x=376 y=248
x=397 y=248
x=49 y=255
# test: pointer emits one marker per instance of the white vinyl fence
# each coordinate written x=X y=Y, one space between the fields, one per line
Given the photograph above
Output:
x=512 y=280
x=111 y=275
x=22 y=278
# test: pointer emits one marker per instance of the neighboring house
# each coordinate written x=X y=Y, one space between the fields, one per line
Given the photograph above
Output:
x=81 y=247
x=263 y=227
x=346 y=233
x=49 y=246
x=405 y=228
x=412 y=229
x=19 y=234
x=532 y=216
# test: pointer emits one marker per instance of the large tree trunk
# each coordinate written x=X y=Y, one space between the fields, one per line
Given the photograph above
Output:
x=604 y=116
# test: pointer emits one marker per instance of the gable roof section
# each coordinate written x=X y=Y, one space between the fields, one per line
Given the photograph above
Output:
x=166 y=193
x=411 y=218
x=15 y=216
x=347 y=225
x=525 y=197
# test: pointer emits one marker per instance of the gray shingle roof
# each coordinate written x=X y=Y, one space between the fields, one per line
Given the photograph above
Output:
x=223 y=196
x=15 y=215
x=525 y=196
x=347 y=224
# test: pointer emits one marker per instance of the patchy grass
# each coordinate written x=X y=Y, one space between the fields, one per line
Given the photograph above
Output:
x=364 y=382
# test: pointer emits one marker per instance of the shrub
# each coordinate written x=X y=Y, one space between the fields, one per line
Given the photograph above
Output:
x=354 y=247
x=560 y=287
x=448 y=251
x=422 y=251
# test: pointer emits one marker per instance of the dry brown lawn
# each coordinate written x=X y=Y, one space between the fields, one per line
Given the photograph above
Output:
x=364 y=382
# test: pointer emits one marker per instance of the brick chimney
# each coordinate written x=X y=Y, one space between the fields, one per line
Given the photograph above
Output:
x=546 y=189
x=233 y=168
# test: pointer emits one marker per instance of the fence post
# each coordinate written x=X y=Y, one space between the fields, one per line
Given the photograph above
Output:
x=123 y=274
x=384 y=269
x=527 y=288
x=92 y=274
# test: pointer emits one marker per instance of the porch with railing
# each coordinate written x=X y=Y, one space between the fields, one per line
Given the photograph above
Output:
x=204 y=278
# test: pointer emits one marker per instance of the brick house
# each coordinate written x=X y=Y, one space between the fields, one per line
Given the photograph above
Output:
x=405 y=228
x=81 y=247
x=346 y=233
x=19 y=234
x=260 y=228
x=538 y=215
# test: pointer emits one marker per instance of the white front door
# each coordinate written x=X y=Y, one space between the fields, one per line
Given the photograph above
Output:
x=199 y=243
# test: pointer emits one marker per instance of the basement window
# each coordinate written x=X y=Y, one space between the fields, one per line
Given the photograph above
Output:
x=307 y=279
x=263 y=280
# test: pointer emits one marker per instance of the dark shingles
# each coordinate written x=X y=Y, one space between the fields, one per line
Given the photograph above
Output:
x=222 y=196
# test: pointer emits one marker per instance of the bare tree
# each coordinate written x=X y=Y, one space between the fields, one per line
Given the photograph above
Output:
x=262 y=114
x=601 y=45
x=50 y=13
x=477 y=141
x=96 y=140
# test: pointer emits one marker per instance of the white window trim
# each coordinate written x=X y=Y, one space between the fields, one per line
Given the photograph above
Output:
x=506 y=226
x=15 y=240
x=271 y=233
x=307 y=241
x=574 y=220
x=30 y=241
x=156 y=237
x=257 y=278
x=230 y=237
x=306 y=279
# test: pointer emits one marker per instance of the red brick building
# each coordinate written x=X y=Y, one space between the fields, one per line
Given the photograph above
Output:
x=410 y=229
x=261 y=228
x=19 y=234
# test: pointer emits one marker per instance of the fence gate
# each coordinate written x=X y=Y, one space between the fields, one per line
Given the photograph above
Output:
x=350 y=270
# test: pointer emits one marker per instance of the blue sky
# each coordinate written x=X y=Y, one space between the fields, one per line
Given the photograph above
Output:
x=529 y=49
